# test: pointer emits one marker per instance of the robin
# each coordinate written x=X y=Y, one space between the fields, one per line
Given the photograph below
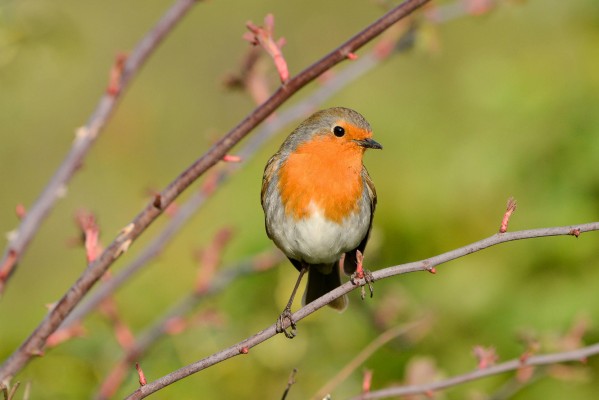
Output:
x=319 y=201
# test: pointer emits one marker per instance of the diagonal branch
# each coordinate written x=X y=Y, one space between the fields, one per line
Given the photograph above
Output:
x=428 y=264
x=360 y=358
x=86 y=137
x=579 y=355
x=34 y=344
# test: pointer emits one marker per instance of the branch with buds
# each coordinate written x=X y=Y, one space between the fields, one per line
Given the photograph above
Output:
x=579 y=355
x=264 y=36
x=121 y=75
x=244 y=346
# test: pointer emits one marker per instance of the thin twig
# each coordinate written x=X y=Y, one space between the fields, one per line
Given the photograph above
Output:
x=515 y=385
x=9 y=393
x=579 y=355
x=359 y=359
x=85 y=138
x=290 y=382
x=423 y=265
x=34 y=344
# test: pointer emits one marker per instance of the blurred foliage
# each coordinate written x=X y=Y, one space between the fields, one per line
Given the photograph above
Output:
x=482 y=108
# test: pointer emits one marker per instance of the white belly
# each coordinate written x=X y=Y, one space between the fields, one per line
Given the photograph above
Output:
x=317 y=240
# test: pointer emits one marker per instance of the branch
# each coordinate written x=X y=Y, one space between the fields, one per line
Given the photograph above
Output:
x=290 y=382
x=85 y=137
x=512 y=365
x=428 y=264
x=361 y=357
x=34 y=344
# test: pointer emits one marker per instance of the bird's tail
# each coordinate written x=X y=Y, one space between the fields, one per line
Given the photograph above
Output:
x=322 y=279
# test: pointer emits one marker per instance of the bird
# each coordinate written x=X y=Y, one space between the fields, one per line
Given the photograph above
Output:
x=319 y=202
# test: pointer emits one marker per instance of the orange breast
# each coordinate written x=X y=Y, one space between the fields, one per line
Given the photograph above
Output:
x=325 y=172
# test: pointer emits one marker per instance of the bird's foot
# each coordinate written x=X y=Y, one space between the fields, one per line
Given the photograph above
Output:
x=362 y=273
x=285 y=321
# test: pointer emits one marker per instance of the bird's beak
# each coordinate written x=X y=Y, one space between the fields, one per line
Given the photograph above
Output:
x=369 y=144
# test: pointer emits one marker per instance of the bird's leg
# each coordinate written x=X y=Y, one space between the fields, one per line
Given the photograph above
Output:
x=286 y=314
x=362 y=273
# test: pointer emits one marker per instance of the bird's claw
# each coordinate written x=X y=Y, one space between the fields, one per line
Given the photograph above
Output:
x=286 y=315
x=365 y=274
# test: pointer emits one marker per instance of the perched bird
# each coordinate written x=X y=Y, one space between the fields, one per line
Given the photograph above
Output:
x=319 y=201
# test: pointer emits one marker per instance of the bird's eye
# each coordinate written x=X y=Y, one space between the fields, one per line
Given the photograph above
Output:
x=338 y=131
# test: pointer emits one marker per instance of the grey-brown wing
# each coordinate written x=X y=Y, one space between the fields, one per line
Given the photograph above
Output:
x=268 y=182
x=350 y=263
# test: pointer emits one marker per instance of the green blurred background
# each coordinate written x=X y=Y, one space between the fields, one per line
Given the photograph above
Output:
x=481 y=109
